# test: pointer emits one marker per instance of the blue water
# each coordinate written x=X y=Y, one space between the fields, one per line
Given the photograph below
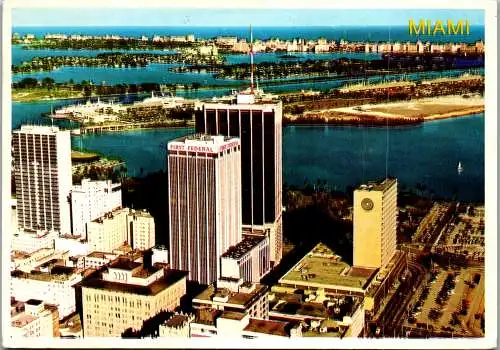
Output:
x=20 y=55
x=298 y=56
x=345 y=156
x=378 y=33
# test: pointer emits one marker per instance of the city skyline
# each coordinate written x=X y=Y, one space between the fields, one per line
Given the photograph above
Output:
x=307 y=184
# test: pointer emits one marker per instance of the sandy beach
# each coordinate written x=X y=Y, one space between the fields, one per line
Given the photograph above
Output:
x=417 y=110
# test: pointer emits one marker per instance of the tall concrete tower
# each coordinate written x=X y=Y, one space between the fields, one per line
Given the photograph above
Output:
x=256 y=119
x=42 y=171
x=374 y=221
x=204 y=178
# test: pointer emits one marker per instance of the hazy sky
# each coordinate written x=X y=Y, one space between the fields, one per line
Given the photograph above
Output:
x=227 y=18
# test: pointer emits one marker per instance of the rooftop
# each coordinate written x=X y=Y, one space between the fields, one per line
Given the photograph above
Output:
x=124 y=264
x=38 y=129
x=242 y=299
x=177 y=321
x=279 y=328
x=97 y=254
x=243 y=247
x=382 y=185
x=232 y=315
x=57 y=273
x=321 y=266
x=95 y=281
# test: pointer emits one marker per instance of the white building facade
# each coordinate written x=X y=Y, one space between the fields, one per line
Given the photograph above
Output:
x=91 y=200
x=204 y=177
x=42 y=171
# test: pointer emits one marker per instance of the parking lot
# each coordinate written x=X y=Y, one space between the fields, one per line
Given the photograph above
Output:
x=449 y=303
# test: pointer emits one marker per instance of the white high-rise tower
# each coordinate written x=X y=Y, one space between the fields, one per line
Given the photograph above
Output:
x=42 y=170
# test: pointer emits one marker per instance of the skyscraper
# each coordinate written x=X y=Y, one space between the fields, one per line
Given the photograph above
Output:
x=42 y=170
x=256 y=120
x=375 y=213
x=204 y=174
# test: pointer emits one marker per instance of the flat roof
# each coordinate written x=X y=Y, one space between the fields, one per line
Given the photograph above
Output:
x=279 y=328
x=56 y=273
x=233 y=315
x=243 y=247
x=321 y=266
x=95 y=281
x=381 y=185
x=233 y=297
x=176 y=320
x=124 y=264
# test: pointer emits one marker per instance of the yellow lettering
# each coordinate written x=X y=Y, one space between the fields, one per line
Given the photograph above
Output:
x=467 y=27
x=453 y=29
x=413 y=28
x=438 y=27
x=428 y=26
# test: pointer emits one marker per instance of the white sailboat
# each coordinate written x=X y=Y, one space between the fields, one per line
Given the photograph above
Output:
x=460 y=168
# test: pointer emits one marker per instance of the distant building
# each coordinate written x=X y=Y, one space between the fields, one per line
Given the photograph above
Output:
x=108 y=232
x=74 y=245
x=51 y=284
x=322 y=271
x=177 y=326
x=204 y=174
x=95 y=260
x=141 y=229
x=33 y=318
x=248 y=259
x=374 y=223
x=160 y=254
x=42 y=171
x=29 y=241
x=256 y=119
x=91 y=200
x=28 y=262
x=125 y=293
x=224 y=309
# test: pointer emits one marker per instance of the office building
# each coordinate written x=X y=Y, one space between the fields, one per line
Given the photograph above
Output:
x=224 y=308
x=91 y=200
x=248 y=260
x=256 y=119
x=51 y=284
x=33 y=318
x=108 y=232
x=125 y=293
x=374 y=223
x=141 y=229
x=29 y=241
x=204 y=203
x=42 y=171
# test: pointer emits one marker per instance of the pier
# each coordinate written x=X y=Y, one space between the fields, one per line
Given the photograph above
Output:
x=95 y=129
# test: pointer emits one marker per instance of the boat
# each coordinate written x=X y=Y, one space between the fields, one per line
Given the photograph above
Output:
x=460 y=168
x=164 y=101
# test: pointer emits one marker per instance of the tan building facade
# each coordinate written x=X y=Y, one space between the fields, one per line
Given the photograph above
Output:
x=375 y=223
x=125 y=294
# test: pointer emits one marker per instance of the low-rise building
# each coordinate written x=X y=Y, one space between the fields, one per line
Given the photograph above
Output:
x=177 y=326
x=51 y=283
x=28 y=262
x=74 y=245
x=29 y=241
x=227 y=307
x=140 y=229
x=126 y=293
x=33 y=318
x=95 y=260
x=249 y=259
